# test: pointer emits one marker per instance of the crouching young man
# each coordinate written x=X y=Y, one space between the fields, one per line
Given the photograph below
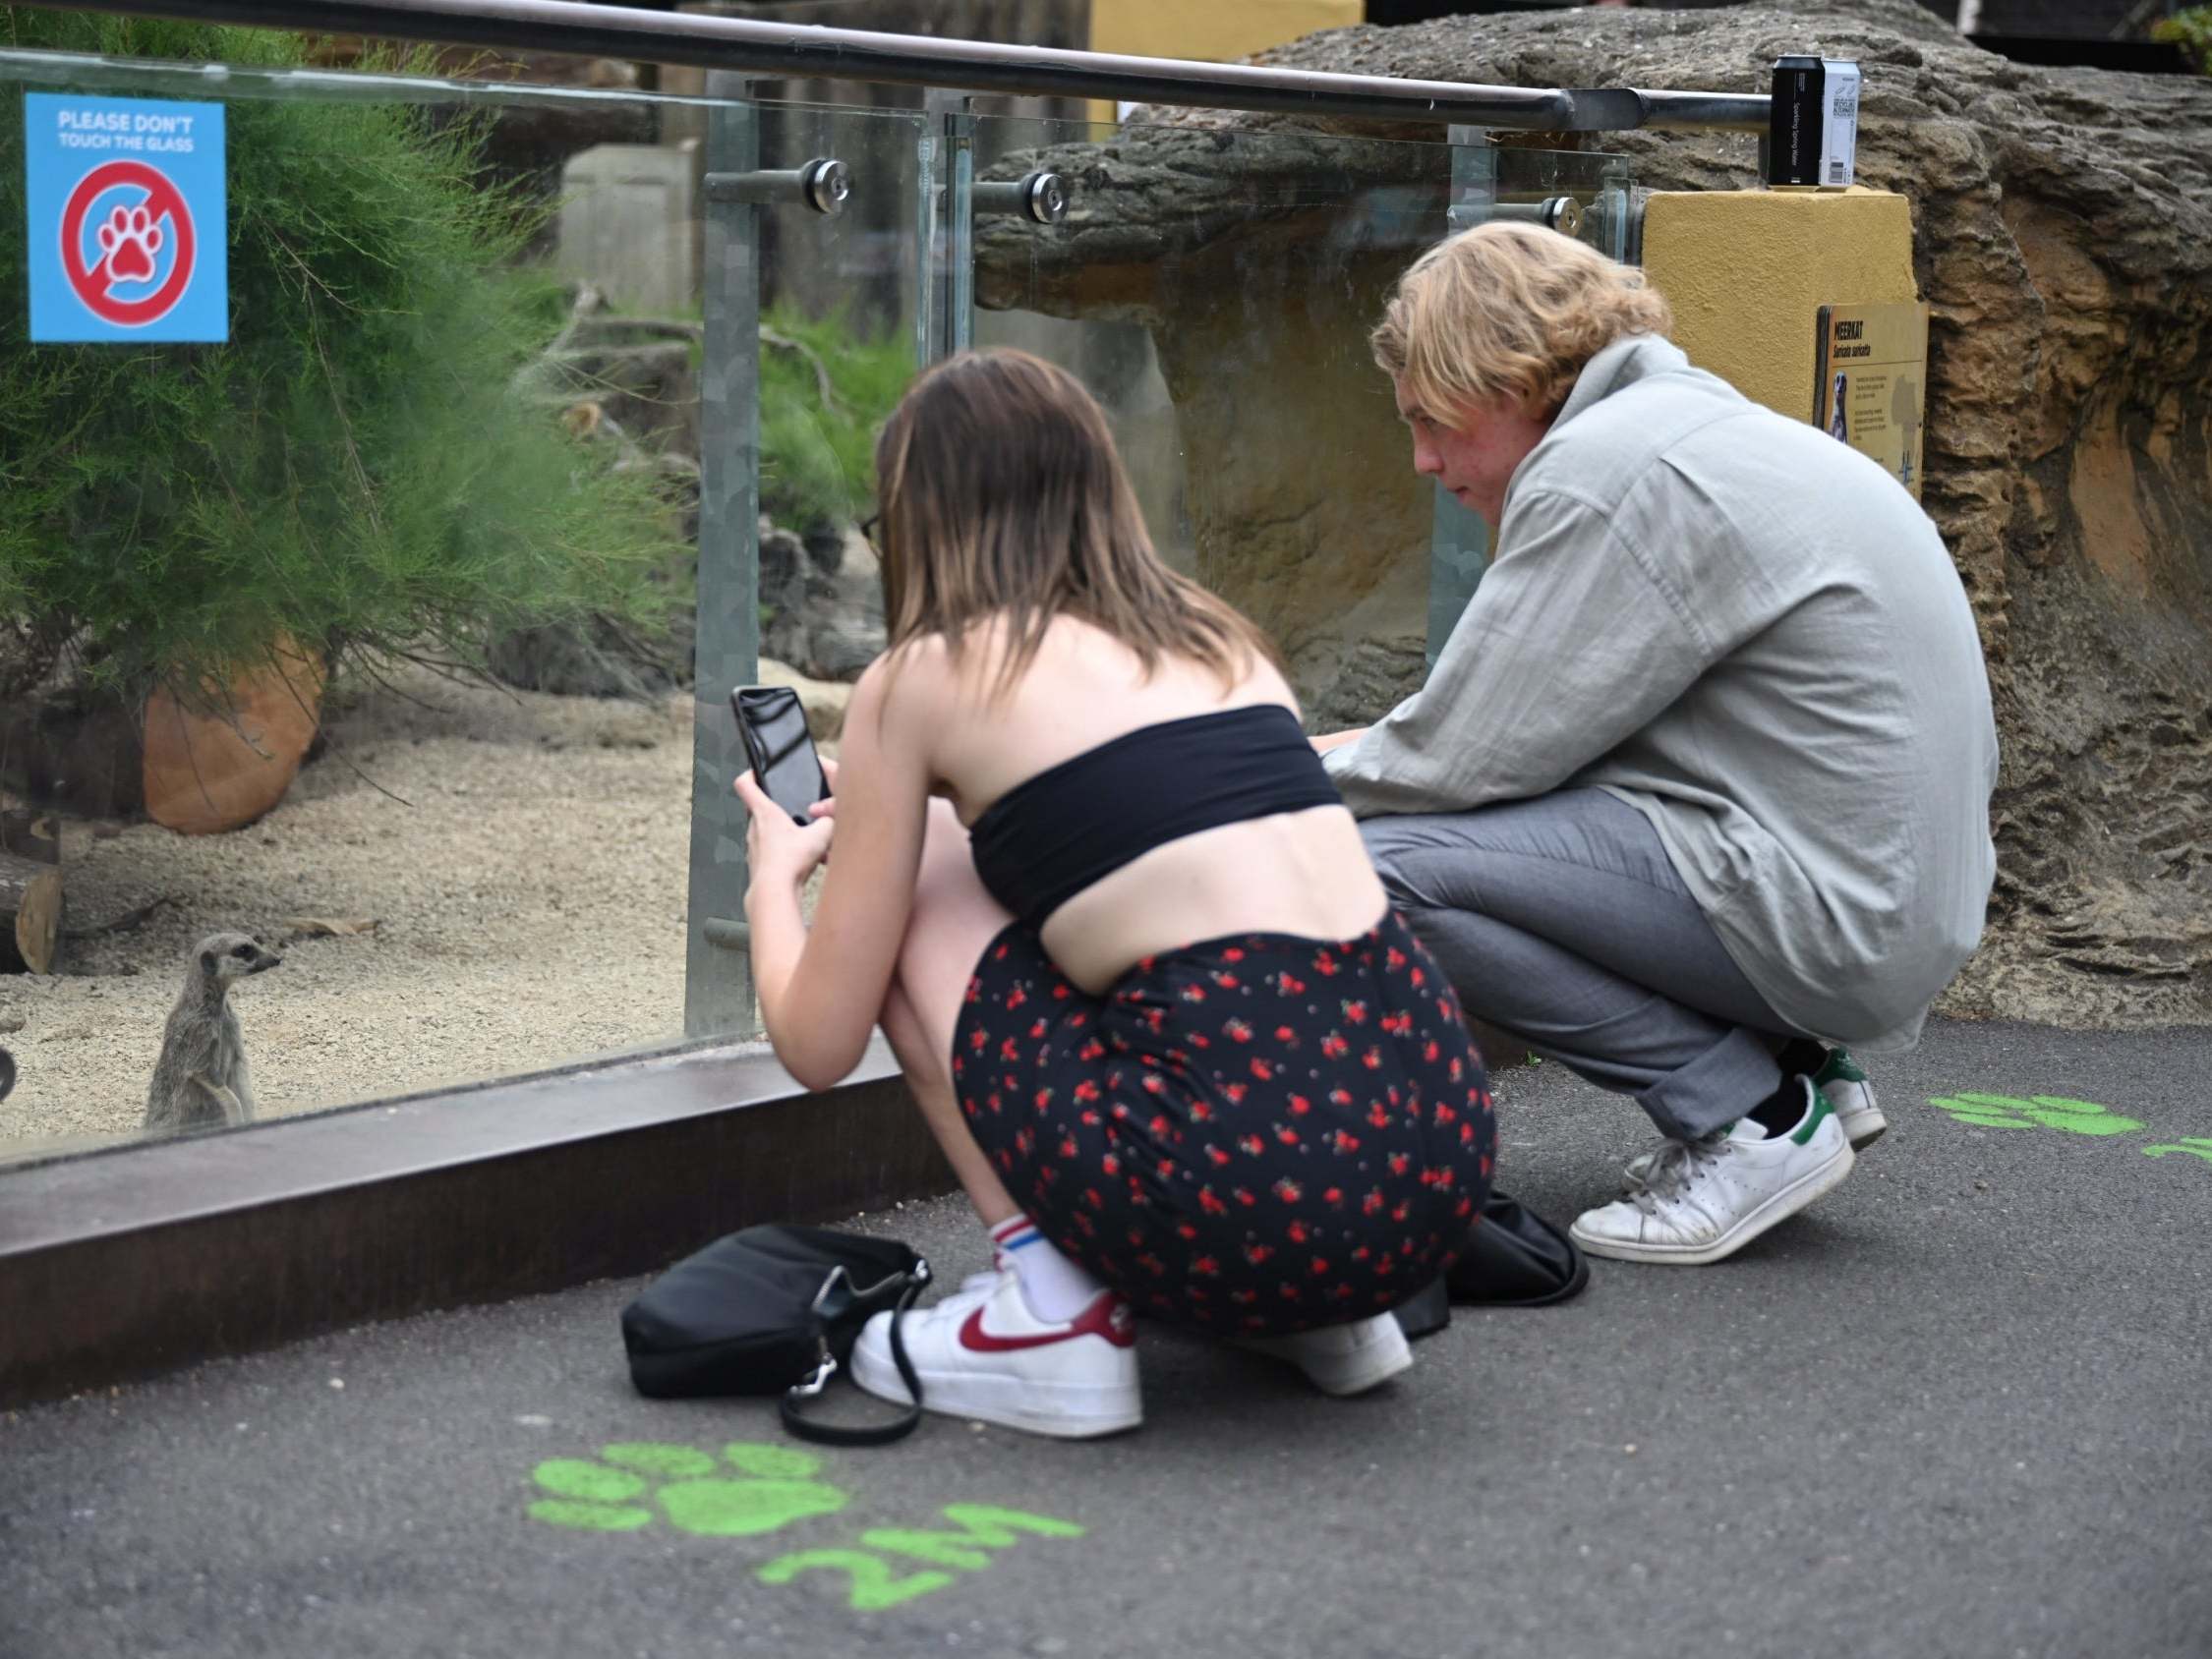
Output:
x=1696 y=798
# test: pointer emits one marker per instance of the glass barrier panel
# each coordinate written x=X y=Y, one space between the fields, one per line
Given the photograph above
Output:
x=1215 y=287
x=346 y=682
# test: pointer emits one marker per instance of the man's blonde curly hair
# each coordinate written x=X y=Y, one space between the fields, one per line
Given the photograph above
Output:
x=1510 y=310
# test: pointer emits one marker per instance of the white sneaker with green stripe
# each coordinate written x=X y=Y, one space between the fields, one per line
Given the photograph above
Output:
x=1852 y=1097
x=1694 y=1202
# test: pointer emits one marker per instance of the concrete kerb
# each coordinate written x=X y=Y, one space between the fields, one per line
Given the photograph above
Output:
x=124 y=1264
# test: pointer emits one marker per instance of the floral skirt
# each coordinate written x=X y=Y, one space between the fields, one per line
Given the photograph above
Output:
x=1252 y=1135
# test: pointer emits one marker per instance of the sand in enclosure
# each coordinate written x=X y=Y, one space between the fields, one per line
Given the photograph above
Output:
x=528 y=884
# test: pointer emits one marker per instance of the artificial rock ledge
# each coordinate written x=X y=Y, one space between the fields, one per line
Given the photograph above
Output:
x=2064 y=239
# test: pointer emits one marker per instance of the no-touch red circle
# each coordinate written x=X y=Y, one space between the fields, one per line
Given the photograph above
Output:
x=162 y=201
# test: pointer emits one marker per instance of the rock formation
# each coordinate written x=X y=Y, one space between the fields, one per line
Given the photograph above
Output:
x=2064 y=239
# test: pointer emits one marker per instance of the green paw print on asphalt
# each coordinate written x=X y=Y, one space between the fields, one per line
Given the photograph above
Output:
x=752 y=1489
x=2196 y=1146
x=2049 y=1112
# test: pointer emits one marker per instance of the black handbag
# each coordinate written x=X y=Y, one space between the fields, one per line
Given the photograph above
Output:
x=1514 y=1258
x=775 y=1310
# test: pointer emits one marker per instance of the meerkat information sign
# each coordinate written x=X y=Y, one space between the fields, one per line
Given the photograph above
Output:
x=1870 y=388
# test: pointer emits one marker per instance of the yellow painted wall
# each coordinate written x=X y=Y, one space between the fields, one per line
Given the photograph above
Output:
x=1214 y=33
x=1748 y=270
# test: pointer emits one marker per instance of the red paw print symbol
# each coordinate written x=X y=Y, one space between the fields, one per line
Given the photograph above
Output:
x=129 y=239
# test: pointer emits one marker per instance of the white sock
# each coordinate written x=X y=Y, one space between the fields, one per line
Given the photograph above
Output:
x=1055 y=1287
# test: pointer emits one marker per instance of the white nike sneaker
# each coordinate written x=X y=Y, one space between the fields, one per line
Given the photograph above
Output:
x=1342 y=1359
x=1853 y=1098
x=980 y=1353
x=1698 y=1201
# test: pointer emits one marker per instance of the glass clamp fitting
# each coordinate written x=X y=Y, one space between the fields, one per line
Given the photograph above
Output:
x=1040 y=195
x=823 y=184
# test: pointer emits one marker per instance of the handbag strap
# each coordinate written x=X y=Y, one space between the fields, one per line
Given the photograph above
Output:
x=861 y=1433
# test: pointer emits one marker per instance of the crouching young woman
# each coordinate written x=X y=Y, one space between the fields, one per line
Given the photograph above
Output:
x=1122 y=933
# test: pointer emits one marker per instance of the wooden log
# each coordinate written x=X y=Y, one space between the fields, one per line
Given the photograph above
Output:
x=30 y=833
x=30 y=915
x=77 y=751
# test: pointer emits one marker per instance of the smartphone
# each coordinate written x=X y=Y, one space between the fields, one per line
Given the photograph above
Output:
x=773 y=725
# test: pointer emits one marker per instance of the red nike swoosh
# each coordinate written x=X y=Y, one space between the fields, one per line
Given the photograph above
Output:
x=1096 y=1320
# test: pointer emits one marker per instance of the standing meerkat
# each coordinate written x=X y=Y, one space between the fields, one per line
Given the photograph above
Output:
x=200 y=1080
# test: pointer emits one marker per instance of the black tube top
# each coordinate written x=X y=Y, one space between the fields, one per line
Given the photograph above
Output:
x=1052 y=835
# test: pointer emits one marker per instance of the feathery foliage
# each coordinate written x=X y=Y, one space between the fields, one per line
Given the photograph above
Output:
x=352 y=468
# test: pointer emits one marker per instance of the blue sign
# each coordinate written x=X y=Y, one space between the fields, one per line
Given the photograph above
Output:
x=128 y=239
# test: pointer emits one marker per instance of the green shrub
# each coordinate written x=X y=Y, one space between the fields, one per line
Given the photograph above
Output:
x=2192 y=30
x=351 y=469
x=817 y=453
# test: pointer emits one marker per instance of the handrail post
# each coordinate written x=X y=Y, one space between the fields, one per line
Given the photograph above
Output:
x=718 y=977
x=1459 y=542
x=948 y=247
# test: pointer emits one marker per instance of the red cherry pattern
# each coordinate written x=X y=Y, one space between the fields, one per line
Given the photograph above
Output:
x=1252 y=1136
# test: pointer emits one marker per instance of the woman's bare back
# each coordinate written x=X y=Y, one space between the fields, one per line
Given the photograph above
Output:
x=1304 y=873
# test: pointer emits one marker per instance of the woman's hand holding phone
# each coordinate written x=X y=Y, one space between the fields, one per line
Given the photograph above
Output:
x=827 y=807
x=777 y=851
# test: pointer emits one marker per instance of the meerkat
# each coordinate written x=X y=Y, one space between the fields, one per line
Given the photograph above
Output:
x=200 y=1080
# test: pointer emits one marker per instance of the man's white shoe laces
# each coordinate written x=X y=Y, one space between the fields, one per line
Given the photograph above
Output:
x=1670 y=1170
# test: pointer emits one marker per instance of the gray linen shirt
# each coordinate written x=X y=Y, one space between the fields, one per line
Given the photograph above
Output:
x=1754 y=637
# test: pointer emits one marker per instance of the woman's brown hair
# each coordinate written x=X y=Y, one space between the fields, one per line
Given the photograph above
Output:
x=1001 y=496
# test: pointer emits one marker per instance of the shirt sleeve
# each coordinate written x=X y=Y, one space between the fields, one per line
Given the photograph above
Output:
x=1575 y=640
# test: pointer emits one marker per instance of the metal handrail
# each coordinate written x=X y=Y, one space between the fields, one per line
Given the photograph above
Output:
x=781 y=49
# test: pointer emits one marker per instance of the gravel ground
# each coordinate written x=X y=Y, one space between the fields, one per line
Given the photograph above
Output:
x=523 y=856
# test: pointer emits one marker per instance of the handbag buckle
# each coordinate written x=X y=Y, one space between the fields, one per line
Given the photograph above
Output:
x=818 y=1378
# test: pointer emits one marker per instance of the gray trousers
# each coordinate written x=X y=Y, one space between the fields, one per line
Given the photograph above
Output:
x=1562 y=921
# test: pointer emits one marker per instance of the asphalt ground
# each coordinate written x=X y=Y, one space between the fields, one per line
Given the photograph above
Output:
x=1960 y=1406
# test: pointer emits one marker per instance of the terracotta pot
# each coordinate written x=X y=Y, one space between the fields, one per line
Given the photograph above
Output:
x=205 y=774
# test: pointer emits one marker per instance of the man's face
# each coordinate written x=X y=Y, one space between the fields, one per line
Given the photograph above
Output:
x=1474 y=454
